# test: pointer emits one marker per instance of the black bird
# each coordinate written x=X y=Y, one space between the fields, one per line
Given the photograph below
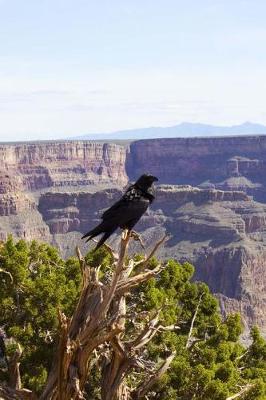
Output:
x=126 y=212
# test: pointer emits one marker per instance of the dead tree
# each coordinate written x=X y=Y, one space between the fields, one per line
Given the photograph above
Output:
x=97 y=329
x=14 y=391
x=97 y=332
x=99 y=322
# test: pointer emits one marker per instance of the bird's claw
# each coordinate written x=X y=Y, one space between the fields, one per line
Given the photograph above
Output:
x=136 y=236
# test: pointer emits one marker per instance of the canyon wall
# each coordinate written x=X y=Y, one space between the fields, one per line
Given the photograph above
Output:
x=222 y=233
x=229 y=163
x=28 y=169
x=216 y=217
x=53 y=164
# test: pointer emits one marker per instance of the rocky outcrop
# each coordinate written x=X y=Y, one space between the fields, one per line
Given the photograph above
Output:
x=18 y=211
x=66 y=212
x=84 y=209
x=13 y=200
x=64 y=164
x=227 y=163
x=28 y=169
x=53 y=192
x=222 y=233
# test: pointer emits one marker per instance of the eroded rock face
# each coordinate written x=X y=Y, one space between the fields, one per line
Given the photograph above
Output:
x=222 y=233
x=13 y=200
x=18 y=211
x=53 y=192
x=62 y=164
x=227 y=163
x=66 y=212
x=28 y=169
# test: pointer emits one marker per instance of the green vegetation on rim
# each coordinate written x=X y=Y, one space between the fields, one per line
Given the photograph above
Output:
x=212 y=366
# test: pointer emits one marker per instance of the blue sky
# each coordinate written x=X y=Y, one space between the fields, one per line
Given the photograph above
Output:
x=71 y=67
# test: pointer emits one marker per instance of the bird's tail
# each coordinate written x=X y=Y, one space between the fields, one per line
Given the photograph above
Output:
x=97 y=231
x=103 y=239
x=94 y=232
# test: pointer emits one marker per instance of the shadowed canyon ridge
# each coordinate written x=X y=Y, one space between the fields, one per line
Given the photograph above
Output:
x=211 y=199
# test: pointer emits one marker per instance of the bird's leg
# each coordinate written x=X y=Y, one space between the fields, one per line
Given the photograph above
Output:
x=125 y=234
x=136 y=236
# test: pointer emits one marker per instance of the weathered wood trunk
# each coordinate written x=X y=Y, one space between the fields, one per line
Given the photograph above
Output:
x=90 y=326
x=99 y=321
x=97 y=330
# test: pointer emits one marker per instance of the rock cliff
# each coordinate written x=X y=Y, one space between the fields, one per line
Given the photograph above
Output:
x=56 y=191
x=229 y=163
x=64 y=164
x=222 y=233
x=26 y=170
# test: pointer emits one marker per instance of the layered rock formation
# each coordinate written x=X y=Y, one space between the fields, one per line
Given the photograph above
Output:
x=28 y=169
x=222 y=233
x=64 y=164
x=54 y=192
x=229 y=163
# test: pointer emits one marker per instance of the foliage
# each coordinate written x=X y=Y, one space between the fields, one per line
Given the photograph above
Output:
x=210 y=368
x=40 y=282
x=213 y=366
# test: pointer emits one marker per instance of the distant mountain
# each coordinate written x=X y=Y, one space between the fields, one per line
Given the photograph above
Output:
x=185 y=129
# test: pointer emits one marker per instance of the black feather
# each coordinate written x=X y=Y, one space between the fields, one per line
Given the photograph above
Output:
x=94 y=232
x=103 y=239
x=127 y=211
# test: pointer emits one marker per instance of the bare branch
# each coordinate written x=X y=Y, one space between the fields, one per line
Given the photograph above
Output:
x=147 y=334
x=155 y=248
x=109 y=249
x=125 y=286
x=244 y=390
x=7 y=273
x=168 y=328
x=117 y=273
x=131 y=265
x=242 y=355
x=145 y=387
x=13 y=369
x=79 y=255
x=6 y=393
x=83 y=268
x=189 y=339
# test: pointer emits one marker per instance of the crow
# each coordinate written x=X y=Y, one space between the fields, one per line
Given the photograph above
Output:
x=126 y=212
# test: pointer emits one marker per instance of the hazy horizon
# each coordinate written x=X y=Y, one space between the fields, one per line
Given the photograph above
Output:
x=182 y=130
x=70 y=68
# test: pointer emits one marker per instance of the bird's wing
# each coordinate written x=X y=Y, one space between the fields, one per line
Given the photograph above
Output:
x=132 y=202
x=126 y=214
x=112 y=210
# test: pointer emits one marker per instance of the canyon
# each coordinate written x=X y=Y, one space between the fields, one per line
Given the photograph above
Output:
x=211 y=201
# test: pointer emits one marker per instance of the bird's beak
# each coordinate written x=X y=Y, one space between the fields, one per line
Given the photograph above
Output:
x=155 y=179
